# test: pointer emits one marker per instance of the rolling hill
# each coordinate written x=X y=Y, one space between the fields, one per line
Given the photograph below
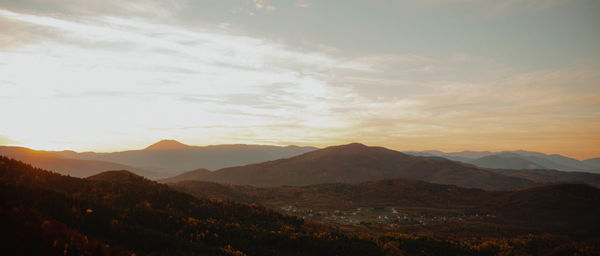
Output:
x=379 y=193
x=198 y=174
x=355 y=162
x=552 y=176
x=54 y=161
x=593 y=163
x=561 y=208
x=120 y=213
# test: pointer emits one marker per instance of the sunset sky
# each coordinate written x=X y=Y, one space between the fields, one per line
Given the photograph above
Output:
x=450 y=75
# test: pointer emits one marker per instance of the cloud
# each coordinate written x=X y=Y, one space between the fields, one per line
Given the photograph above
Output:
x=92 y=81
x=148 y=71
x=263 y=4
x=494 y=8
x=302 y=3
x=94 y=8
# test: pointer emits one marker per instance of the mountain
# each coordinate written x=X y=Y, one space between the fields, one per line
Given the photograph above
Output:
x=593 y=163
x=169 y=157
x=559 y=208
x=159 y=160
x=66 y=166
x=543 y=161
x=120 y=213
x=168 y=145
x=497 y=161
x=563 y=162
x=470 y=154
x=358 y=163
x=435 y=153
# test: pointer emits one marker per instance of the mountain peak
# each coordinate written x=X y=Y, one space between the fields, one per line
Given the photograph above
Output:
x=168 y=145
x=354 y=145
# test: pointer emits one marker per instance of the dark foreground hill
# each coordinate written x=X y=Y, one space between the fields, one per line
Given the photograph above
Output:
x=358 y=163
x=44 y=213
x=120 y=213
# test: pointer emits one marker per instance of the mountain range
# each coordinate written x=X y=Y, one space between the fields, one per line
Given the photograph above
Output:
x=159 y=160
x=119 y=212
x=354 y=163
x=519 y=159
x=292 y=165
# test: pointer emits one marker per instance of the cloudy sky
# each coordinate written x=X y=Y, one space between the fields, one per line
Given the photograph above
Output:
x=409 y=75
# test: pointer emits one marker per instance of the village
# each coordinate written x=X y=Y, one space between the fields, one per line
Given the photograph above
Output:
x=389 y=216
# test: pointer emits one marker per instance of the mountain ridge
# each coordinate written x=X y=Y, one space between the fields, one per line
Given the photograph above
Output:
x=545 y=161
x=162 y=159
x=357 y=163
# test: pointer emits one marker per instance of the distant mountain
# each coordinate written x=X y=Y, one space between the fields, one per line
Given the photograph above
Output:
x=534 y=159
x=159 y=160
x=576 y=206
x=593 y=163
x=562 y=162
x=470 y=154
x=168 y=145
x=358 y=163
x=497 y=161
x=66 y=166
x=434 y=153
x=169 y=157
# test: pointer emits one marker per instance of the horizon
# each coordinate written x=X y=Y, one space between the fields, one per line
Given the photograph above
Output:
x=448 y=75
x=292 y=145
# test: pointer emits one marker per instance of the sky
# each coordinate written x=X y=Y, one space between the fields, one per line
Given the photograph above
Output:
x=449 y=75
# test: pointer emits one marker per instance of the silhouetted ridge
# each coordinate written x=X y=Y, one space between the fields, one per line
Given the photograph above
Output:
x=168 y=145
x=45 y=212
x=356 y=162
x=505 y=161
x=118 y=176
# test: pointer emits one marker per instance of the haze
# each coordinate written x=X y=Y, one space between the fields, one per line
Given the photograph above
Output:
x=450 y=75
